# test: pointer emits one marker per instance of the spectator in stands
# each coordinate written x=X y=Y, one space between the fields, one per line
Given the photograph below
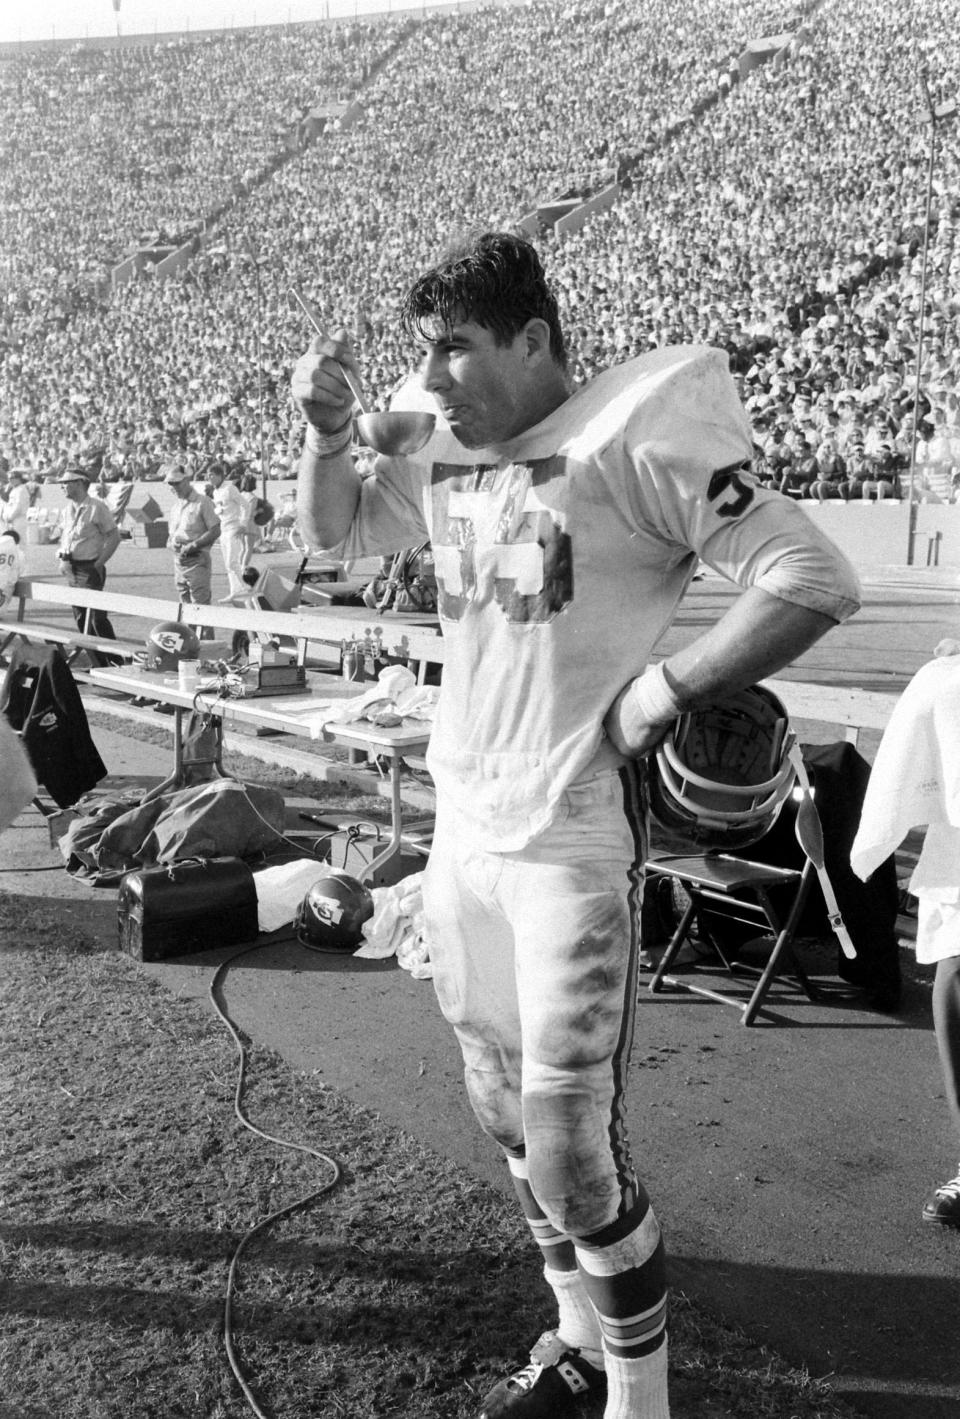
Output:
x=883 y=480
x=779 y=454
x=87 y=542
x=858 y=472
x=799 y=476
x=748 y=261
x=831 y=471
x=194 y=527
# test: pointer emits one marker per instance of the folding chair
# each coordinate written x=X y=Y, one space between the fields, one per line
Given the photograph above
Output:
x=718 y=781
x=743 y=892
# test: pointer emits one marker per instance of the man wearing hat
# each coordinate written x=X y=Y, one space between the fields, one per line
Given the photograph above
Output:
x=194 y=527
x=87 y=542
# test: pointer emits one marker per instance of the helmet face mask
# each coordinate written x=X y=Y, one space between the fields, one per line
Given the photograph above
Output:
x=722 y=774
x=332 y=914
x=167 y=644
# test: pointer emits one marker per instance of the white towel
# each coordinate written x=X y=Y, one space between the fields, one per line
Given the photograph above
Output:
x=281 y=889
x=397 y=927
x=915 y=779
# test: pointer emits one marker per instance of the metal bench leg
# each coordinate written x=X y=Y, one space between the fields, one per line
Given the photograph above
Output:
x=178 y=779
x=384 y=869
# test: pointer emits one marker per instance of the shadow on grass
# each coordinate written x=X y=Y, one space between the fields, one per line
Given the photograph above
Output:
x=324 y=1288
x=363 y=1284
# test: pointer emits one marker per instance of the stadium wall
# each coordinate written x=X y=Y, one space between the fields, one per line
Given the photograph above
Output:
x=877 y=534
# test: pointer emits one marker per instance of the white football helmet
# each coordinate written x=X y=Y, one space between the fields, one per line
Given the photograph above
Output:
x=722 y=774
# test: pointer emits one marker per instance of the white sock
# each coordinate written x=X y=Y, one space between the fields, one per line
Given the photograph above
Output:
x=578 y=1326
x=637 y=1389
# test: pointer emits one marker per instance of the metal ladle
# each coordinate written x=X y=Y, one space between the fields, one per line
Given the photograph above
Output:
x=395 y=432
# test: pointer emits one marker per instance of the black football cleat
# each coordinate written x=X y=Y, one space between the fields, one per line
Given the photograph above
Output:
x=943 y=1205
x=556 y=1378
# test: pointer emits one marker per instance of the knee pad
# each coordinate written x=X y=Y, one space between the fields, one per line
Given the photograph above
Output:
x=496 y=1104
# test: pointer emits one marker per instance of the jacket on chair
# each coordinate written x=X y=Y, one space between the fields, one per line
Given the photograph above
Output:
x=41 y=701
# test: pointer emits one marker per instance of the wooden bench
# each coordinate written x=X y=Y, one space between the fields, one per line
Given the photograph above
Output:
x=318 y=633
x=33 y=602
x=315 y=634
x=851 y=709
x=321 y=630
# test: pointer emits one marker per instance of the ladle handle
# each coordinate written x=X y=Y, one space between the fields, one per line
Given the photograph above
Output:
x=310 y=311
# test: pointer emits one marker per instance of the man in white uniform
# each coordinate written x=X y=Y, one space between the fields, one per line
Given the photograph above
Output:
x=566 y=525
x=231 y=510
x=11 y=564
x=16 y=505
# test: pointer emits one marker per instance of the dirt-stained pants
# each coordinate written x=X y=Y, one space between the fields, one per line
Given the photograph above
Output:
x=535 y=965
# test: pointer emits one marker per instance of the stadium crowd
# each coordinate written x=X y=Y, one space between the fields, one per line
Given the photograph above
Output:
x=784 y=222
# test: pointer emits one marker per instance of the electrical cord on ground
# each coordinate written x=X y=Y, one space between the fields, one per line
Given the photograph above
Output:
x=353 y=834
x=281 y=1212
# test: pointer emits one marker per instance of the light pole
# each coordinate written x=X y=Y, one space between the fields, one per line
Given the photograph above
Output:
x=936 y=113
x=252 y=253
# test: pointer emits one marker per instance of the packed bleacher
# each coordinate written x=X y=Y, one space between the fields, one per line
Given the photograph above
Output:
x=779 y=216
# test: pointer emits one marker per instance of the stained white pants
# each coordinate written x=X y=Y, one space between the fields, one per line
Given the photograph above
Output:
x=534 y=956
x=233 y=546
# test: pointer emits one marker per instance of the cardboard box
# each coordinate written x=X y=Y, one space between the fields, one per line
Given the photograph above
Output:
x=157 y=532
x=146 y=512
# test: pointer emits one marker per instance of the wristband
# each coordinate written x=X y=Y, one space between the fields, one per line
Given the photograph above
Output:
x=329 y=445
x=653 y=698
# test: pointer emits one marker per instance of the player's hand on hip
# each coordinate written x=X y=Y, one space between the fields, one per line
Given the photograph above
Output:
x=318 y=383
x=627 y=728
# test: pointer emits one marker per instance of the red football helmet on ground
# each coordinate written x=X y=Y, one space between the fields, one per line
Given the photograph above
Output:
x=332 y=914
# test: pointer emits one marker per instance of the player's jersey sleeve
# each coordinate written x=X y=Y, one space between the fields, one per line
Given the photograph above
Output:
x=689 y=446
x=390 y=515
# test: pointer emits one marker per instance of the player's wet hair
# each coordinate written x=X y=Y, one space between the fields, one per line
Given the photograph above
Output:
x=495 y=280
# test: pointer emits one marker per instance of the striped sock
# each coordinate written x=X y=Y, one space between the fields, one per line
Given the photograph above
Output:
x=577 y=1325
x=623 y=1269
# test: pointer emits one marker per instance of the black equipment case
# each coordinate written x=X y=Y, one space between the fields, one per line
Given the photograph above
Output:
x=186 y=907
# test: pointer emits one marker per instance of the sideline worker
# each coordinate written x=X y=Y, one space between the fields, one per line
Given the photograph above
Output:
x=231 y=511
x=194 y=527
x=566 y=525
x=15 y=506
x=87 y=542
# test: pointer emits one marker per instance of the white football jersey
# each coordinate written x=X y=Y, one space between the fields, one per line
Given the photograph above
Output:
x=561 y=558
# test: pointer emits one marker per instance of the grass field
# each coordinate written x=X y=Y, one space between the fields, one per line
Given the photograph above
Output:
x=129 y=1181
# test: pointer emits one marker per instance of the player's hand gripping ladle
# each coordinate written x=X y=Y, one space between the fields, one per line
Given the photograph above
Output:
x=393 y=433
